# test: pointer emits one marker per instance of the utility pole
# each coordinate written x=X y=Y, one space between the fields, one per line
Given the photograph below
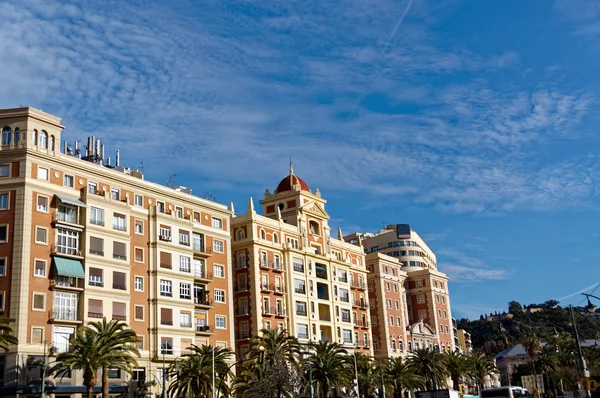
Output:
x=213 y=372
x=582 y=366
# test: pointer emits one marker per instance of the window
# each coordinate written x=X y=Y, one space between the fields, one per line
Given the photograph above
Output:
x=42 y=174
x=440 y=313
x=166 y=316
x=139 y=254
x=165 y=260
x=138 y=201
x=314 y=227
x=267 y=325
x=138 y=313
x=60 y=338
x=37 y=335
x=302 y=331
x=219 y=296
x=422 y=314
x=41 y=235
x=164 y=233
x=179 y=212
x=43 y=140
x=240 y=234
x=39 y=302
x=446 y=329
x=119 y=222
x=114 y=194
x=443 y=300
x=420 y=299
x=445 y=315
x=5 y=170
x=65 y=306
x=166 y=288
x=185 y=319
x=120 y=250
x=395 y=288
x=139 y=375
x=437 y=299
x=398 y=321
x=96 y=246
x=220 y=322
x=298 y=265
x=92 y=188
x=96 y=216
x=95 y=277
x=387 y=286
x=138 y=283
x=217 y=246
x=114 y=373
x=219 y=271
x=68 y=181
x=2 y=266
x=391 y=321
x=397 y=304
x=263 y=234
x=4 y=201
x=67 y=242
x=419 y=283
x=389 y=303
x=345 y=315
x=160 y=207
x=217 y=223
x=441 y=329
x=299 y=286
x=347 y=336
x=42 y=203
x=166 y=345
x=139 y=227
x=6 y=136
x=301 y=308
x=185 y=290
x=119 y=280
x=184 y=264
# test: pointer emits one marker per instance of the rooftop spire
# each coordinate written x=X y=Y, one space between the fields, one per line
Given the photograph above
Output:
x=291 y=169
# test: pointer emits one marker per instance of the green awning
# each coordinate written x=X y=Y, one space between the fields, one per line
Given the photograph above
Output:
x=70 y=201
x=68 y=267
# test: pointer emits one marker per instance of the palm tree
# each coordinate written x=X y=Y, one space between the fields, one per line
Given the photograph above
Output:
x=368 y=374
x=531 y=343
x=6 y=334
x=117 y=351
x=331 y=366
x=456 y=365
x=192 y=375
x=273 y=342
x=430 y=365
x=401 y=374
x=480 y=366
x=84 y=354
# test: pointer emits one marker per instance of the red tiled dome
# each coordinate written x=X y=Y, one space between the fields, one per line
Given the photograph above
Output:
x=286 y=184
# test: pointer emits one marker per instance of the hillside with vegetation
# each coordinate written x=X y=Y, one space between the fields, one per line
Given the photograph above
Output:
x=492 y=333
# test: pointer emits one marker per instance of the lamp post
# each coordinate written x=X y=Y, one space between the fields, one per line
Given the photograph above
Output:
x=44 y=366
x=164 y=377
x=583 y=372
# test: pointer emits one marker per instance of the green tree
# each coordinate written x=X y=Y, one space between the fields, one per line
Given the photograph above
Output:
x=531 y=343
x=457 y=366
x=192 y=376
x=401 y=374
x=480 y=366
x=84 y=354
x=514 y=307
x=6 y=334
x=368 y=374
x=116 y=341
x=331 y=366
x=430 y=365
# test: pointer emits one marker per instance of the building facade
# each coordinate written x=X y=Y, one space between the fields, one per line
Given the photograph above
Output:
x=290 y=273
x=409 y=297
x=81 y=239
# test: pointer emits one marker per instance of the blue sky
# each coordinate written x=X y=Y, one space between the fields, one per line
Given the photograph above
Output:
x=474 y=121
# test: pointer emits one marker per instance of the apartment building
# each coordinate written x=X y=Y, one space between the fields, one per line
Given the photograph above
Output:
x=409 y=297
x=290 y=273
x=464 y=341
x=81 y=239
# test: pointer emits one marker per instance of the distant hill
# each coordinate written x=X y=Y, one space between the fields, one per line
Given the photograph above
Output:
x=492 y=333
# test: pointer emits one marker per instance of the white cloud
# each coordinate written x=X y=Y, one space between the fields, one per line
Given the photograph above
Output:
x=232 y=91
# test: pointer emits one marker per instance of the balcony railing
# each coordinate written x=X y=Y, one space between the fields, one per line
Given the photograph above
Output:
x=242 y=311
x=65 y=217
x=65 y=314
x=358 y=285
x=278 y=266
x=279 y=289
x=201 y=273
x=71 y=251
x=96 y=221
x=242 y=336
x=97 y=315
x=278 y=311
x=323 y=296
x=119 y=286
x=119 y=317
x=345 y=299
x=346 y=319
x=267 y=286
x=301 y=312
x=343 y=279
x=240 y=264
x=202 y=301
x=241 y=288
x=300 y=290
x=165 y=238
x=67 y=281
x=203 y=328
x=298 y=268
x=324 y=317
x=303 y=335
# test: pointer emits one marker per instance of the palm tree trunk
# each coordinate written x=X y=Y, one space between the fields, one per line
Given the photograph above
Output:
x=90 y=391
x=105 y=382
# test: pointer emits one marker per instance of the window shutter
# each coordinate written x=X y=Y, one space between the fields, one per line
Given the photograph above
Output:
x=139 y=312
x=38 y=301
x=96 y=245
x=166 y=316
x=139 y=254
x=37 y=335
x=120 y=250
x=95 y=306
x=165 y=260
x=96 y=272
x=119 y=309
x=119 y=281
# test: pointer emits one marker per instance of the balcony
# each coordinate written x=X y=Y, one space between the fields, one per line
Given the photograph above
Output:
x=278 y=267
x=241 y=264
x=119 y=317
x=242 y=311
x=346 y=318
x=64 y=314
x=364 y=324
x=203 y=329
x=96 y=221
x=67 y=250
x=279 y=289
x=203 y=302
x=343 y=279
x=323 y=296
x=118 y=286
x=266 y=265
x=345 y=299
x=96 y=315
x=66 y=218
x=66 y=282
x=165 y=238
x=242 y=336
x=363 y=305
x=299 y=268
x=358 y=285
x=279 y=312
x=347 y=340
x=325 y=317
x=200 y=273
x=199 y=248
x=267 y=287
x=240 y=288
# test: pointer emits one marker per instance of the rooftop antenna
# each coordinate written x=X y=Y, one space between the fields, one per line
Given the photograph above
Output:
x=209 y=196
x=173 y=180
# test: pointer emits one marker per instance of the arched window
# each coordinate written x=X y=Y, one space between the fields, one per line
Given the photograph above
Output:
x=275 y=238
x=263 y=235
x=17 y=135
x=43 y=140
x=51 y=146
x=240 y=234
x=34 y=137
x=313 y=226
x=6 y=136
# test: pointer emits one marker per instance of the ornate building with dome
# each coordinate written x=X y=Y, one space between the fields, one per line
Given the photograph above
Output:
x=290 y=273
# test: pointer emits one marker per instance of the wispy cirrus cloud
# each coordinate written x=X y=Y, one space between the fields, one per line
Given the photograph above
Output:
x=233 y=89
x=463 y=267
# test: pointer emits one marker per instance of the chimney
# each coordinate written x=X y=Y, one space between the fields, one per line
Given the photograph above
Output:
x=118 y=159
